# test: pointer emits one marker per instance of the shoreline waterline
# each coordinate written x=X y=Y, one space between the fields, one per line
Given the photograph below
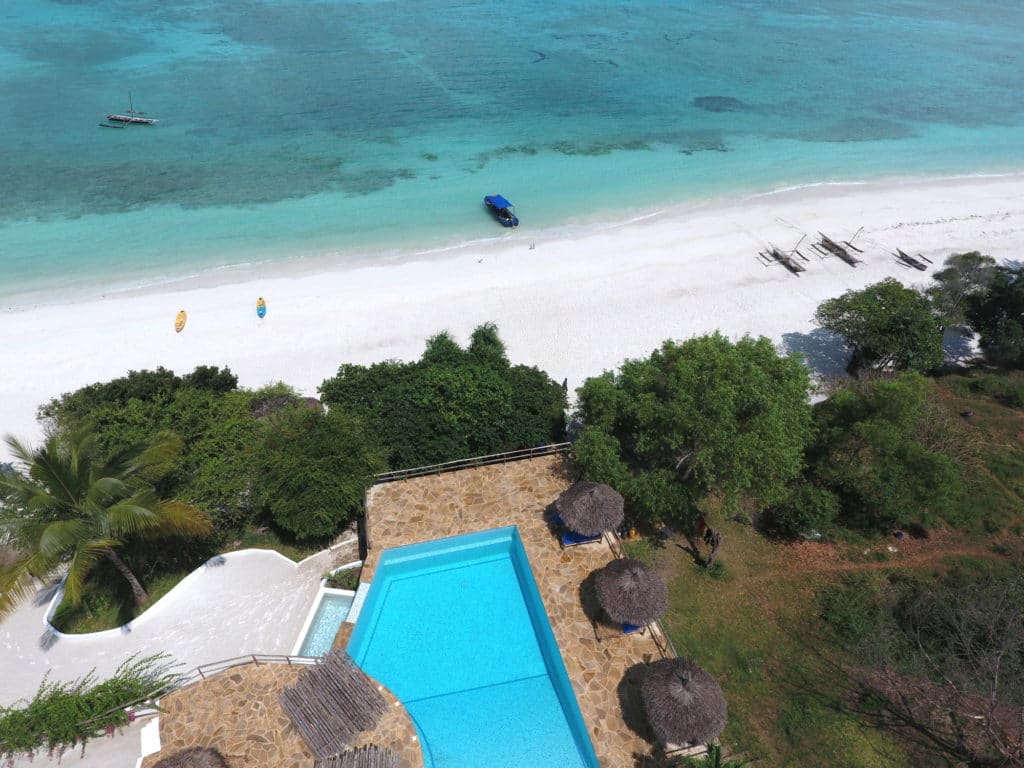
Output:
x=242 y=268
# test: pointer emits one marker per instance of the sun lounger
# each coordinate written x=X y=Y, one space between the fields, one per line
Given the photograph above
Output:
x=571 y=538
x=629 y=629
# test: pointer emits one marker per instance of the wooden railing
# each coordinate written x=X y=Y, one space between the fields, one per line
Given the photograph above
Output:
x=475 y=461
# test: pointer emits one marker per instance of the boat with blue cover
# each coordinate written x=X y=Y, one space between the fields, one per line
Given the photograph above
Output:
x=502 y=209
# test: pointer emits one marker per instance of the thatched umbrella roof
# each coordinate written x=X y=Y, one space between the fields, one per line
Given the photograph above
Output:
x=371 y=756
x=194 y=757
x=684 y=704
x=631 y=592
x=331 y=703
x=590 y=508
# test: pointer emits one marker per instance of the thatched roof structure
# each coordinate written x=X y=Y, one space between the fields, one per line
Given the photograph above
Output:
x=684 y=704
x=590 y=508
x=332 y=702
x=194 y=757
x=631 y=592
x=364 y=757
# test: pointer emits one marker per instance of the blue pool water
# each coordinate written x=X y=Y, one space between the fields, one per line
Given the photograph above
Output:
x=331 y=612
x=456 y=629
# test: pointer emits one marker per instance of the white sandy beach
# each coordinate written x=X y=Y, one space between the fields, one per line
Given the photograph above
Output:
x=573 y=305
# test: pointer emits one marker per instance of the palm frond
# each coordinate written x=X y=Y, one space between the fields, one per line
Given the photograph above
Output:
x=15 y=585
x=24 y=532
x=60 y=536
x=84 y=560
x=53 y=468
x=132 y=516
x=158 y=456
x=105 y=489
x=20 y=451
x=183 y=519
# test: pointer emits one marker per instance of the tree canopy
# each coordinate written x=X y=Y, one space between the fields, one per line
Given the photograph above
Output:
x=878 y=447
x=453 y=402
x=998 y=317
x=312 y=470
x=218 y=425
x=963 y=277
x=699 y=417
x=886 y=326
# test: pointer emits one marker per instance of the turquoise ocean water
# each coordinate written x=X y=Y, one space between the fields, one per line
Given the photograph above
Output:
x=333 y=130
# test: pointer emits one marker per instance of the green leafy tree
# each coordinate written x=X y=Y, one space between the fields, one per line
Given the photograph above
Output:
x=886 y=326
x=807 y=508
x=706 y=416
x=998 y=317
x=963 y=277
x=878 y=451
x=68 y=505
x=313 y=468
x=218 y=423
x=452 y=403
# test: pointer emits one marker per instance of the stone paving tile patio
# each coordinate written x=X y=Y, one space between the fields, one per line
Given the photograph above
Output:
x=597 y=658
x=238 y=713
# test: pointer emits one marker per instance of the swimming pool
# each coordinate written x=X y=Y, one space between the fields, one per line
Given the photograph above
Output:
x=456 y=629
x=320 y=631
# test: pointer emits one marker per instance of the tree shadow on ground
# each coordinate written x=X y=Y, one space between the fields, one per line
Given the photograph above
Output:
x=958 y=346
x=824 y=352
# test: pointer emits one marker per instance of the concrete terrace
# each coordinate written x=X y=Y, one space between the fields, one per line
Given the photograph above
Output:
x=519 y=493
x=251 y=601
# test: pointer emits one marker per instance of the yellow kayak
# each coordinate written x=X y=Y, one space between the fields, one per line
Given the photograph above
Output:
x=179 y=321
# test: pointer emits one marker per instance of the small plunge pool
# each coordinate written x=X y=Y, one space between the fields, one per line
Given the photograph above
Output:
x=327 y=618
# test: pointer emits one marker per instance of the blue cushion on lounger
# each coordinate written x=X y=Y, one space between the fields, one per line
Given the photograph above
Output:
x=571 y=538
x=629 y=629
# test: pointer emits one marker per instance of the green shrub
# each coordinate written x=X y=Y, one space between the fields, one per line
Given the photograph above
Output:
x=999 y=388
x=312 y=470
x=808 y=508
x=880 y=449
x=853 y=609
x=453 y=403
x=347 y=579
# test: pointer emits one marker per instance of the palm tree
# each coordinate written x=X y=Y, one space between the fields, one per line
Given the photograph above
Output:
x=67 y=504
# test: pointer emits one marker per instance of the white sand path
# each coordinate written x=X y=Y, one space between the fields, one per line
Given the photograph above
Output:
x=252 y=601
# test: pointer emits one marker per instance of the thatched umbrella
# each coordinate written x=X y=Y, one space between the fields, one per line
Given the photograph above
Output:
x=630 y=592
x=684 y=704
x=194 y=757
x=590 y=508
x=370 y=756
